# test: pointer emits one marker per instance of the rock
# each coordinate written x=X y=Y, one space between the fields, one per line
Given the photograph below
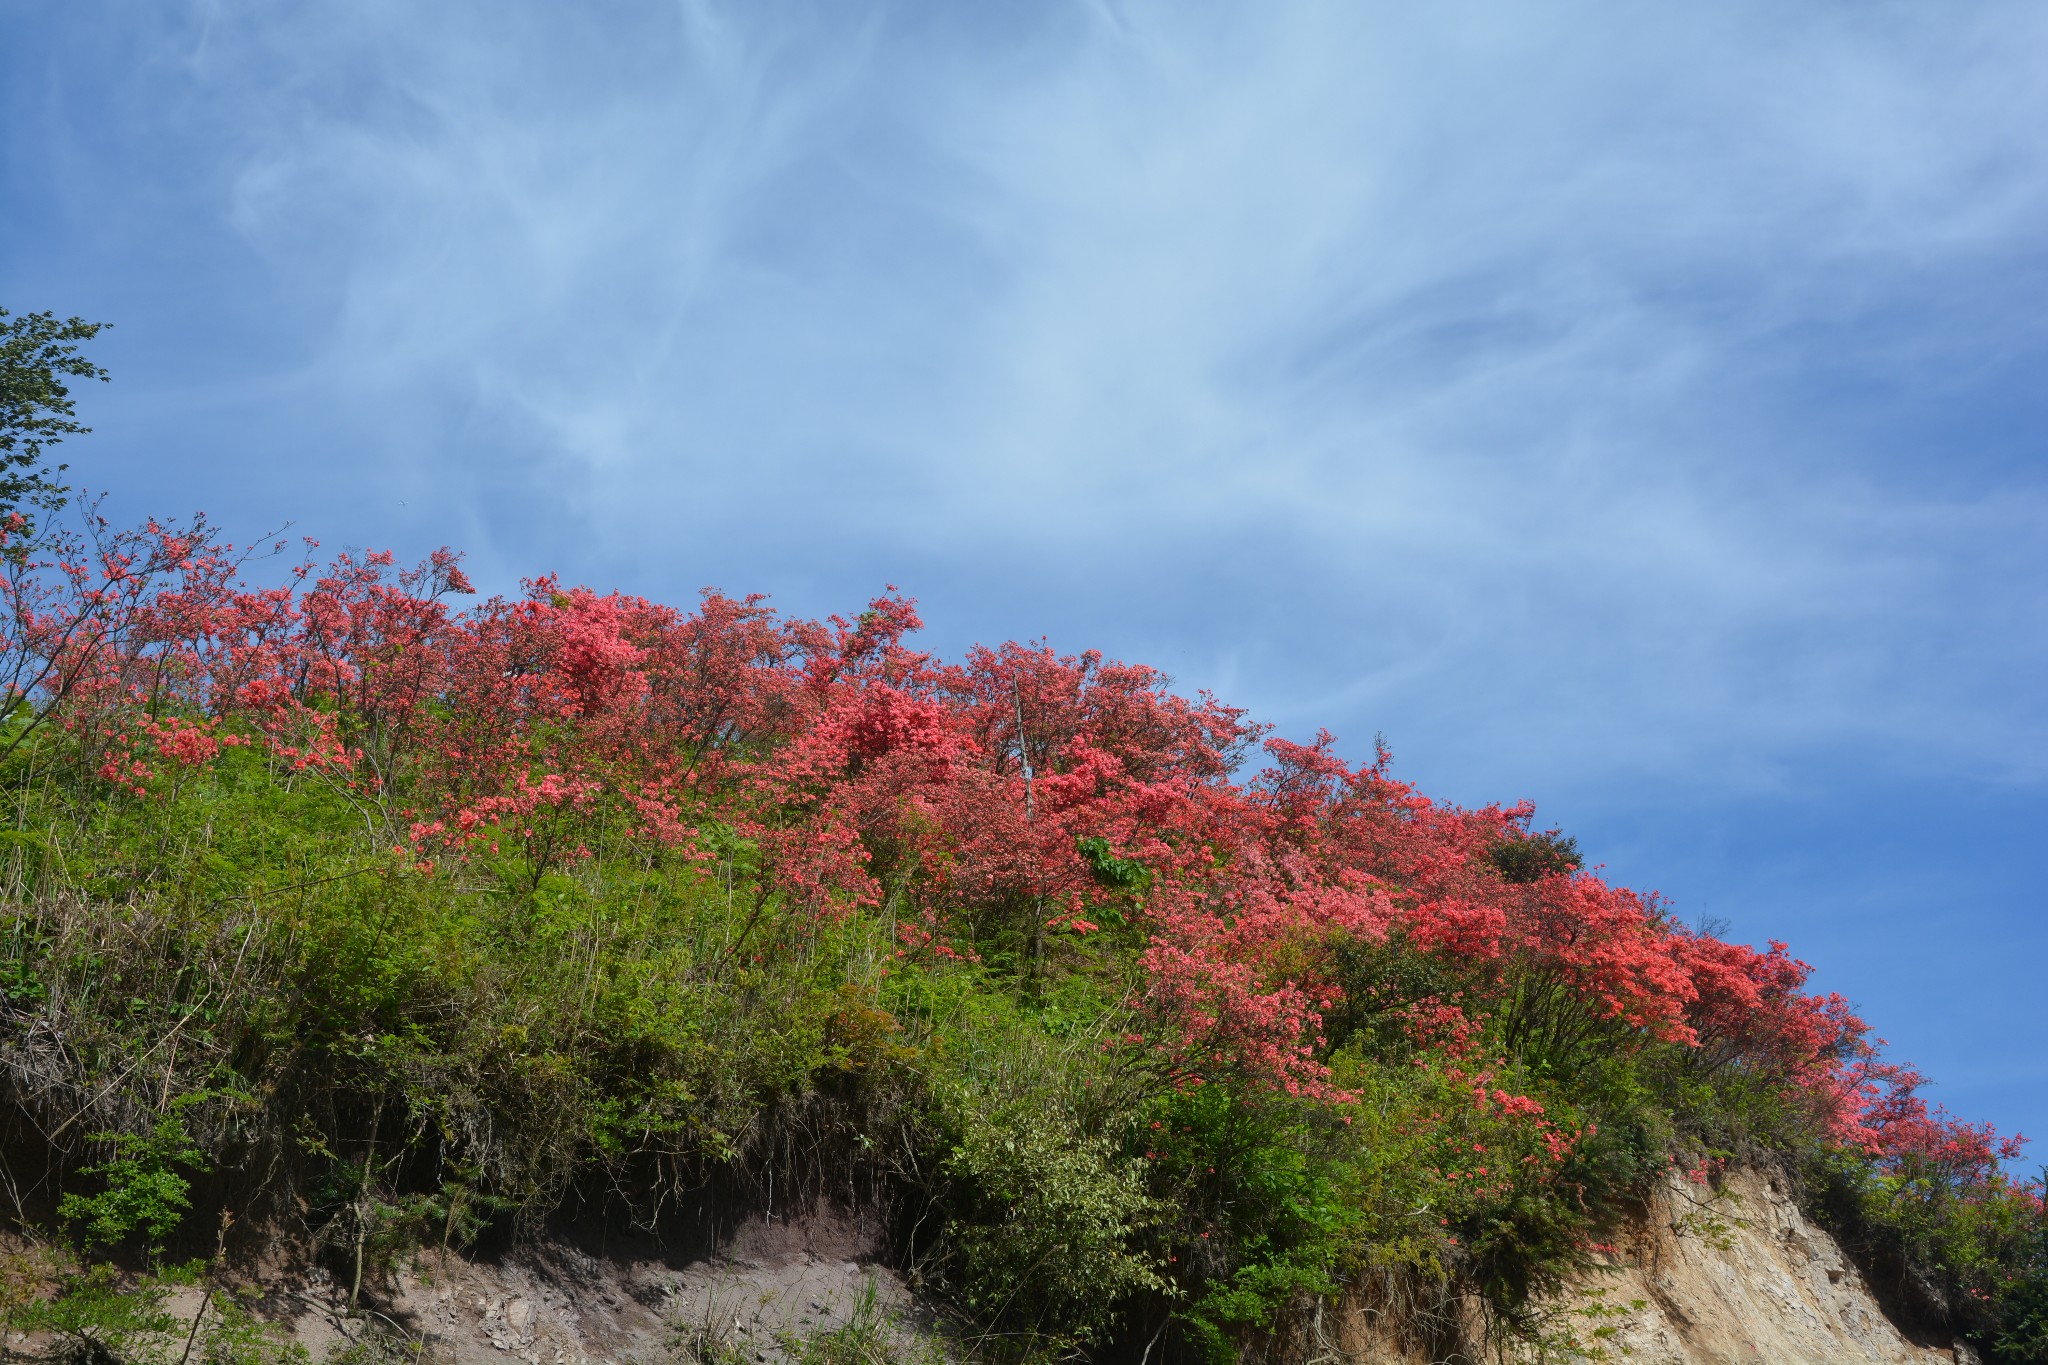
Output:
x=1708 y=1278
x=1746 y=1278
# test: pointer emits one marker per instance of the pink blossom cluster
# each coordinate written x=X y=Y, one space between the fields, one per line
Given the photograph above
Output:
x=1055 y=797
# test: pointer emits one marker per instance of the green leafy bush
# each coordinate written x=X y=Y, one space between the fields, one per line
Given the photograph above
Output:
x=1050 y=1225
x=143 y=1190
x=387 y=927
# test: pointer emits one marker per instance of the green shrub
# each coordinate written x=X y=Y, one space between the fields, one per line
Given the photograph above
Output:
x=99 y=1321
x=1050 y=1224
x=261 y=1002
x=142 y=1189
x=98 y=1318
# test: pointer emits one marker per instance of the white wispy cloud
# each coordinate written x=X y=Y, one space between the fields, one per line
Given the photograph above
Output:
x=1538 y=384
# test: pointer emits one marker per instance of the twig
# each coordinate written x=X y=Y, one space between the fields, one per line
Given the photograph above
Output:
x=300 y=886
x=220 y=1246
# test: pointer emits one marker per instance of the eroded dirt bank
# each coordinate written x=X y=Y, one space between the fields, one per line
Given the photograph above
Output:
x=1709 y=1277
x=1725 y=1276
x=773 y=1288
x=1745 y=1276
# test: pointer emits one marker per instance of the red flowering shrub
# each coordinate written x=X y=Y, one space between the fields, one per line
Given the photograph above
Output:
x=864 y=769
x=1306 y=953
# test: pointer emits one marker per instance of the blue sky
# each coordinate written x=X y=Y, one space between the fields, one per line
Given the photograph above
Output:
x=1635 y=409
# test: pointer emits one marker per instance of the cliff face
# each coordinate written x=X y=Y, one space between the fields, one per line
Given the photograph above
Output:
x=1706 y=1277
x=1724 y=1276
x=1740 y=1275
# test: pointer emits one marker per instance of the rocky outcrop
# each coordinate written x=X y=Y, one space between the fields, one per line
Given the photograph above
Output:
x=1723 y=1275
x=1737 y=1273
x=774 y=1287
x=1728 y=1274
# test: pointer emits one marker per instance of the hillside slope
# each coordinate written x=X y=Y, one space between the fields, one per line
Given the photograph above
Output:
x=337 y=917
x=1728 y=1276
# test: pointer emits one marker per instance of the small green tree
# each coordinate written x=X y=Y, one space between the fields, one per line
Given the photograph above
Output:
x=96 y=1320
x=144 y=1193
x=1055 y=1222
x=38 y=352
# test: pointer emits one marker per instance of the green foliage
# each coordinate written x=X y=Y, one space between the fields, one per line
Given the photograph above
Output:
x=408 y=1056
x=1982 y=1249
x=37 y=354
x=1270 y=1201
x=1047 y=1237
x=1121 y=874
x=99 y=1318
x=2023 y=1334
x=869 y=1335
x=231 y=1334
x=1579 y=1329
x=865 y=1338
x=1533 y=857
x=143 y=1190
x=99 y=1321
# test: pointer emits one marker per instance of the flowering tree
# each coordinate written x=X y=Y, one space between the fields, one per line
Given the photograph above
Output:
x=1019 y=806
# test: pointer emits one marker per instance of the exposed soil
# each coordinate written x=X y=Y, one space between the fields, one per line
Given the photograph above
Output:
x=1740 y=1274
x=1704 y=1278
